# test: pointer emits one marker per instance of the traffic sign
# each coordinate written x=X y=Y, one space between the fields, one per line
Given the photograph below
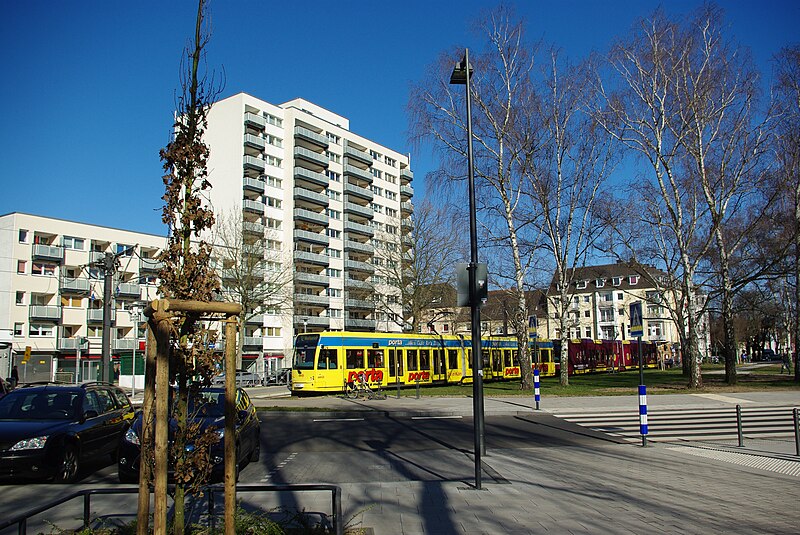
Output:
x=26 y=357
x=637 y=325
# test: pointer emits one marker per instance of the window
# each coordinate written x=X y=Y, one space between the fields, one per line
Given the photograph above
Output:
x=41 y=330
x=377 y=208
x=585 y=298
x=271 y=119
x=333 y=138
x=616 y=281
x=606 y=314
x=71 y=301
x=21 y=266
x=333 y=195
x=20 y=298
x=19 y=329
x=390 y=161
x=272 y=202
x=94 y=332
x=274 y=245
x=332 y=156
x=655 y=330
x=333 y=253
x=633 y=280
x=274 y=141
x=273 y=160
x=377 y=173
x=331 y=272
x=390 y=178
x=391 y=212
x=620 y=296
x=23 y=235
x=580 y=285
x=608 y=297
x=334 y=214
x=392 y=196
x=587 y=314
x=332 y=175
x=621 y=312
x=607 y=333
x=599 y=283
x=148 y=279
x=273 y=223
x=375 y=155
x=275 y=182
x=37 y=268
x=391 y=229
x=588 y=332
x=334 y=312
x=333 y=292
x=74 y=243
x=376 y=190
x=333 y=233
x=273 y=331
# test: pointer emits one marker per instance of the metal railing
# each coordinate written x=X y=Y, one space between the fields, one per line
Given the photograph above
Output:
x=21 y=521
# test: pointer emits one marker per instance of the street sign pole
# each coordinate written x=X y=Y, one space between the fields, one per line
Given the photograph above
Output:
x=637 y=330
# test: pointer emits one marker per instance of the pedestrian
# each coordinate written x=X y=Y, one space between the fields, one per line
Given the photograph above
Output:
x=786 y=363
x=14 y=377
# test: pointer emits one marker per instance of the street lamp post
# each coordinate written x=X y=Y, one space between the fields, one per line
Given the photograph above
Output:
x=461 y=76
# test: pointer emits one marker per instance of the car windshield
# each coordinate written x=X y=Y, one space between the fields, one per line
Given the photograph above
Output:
x=207 y=403
x=39 y=405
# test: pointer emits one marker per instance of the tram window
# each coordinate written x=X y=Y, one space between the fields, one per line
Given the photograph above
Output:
x=327 y=359
x=392 y=361
x=424 y=359
x=411 y=360
x=452 y=359
x=438 y=361
x=469 y=357
x=507 y=358
x=514 y=358
x=355 y=359
x=375 y=358
x=304 y=358
x=497 y=360
x=486 y=360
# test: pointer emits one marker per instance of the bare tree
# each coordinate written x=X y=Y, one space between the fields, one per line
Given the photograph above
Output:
x=501 y=92
x=787 y=90
x=640 y=108
x=565 y=173
x=253 y=273
x=417 y=263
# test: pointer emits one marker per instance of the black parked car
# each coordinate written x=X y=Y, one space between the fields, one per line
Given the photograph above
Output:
x=208 y=409
x=49 y=430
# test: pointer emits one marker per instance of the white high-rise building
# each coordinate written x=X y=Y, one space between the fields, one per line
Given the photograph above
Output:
x=330 y=204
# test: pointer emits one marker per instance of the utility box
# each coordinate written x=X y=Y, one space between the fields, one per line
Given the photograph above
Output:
x=462 y=283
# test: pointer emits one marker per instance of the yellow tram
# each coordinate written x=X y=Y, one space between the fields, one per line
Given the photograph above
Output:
x=326 y=361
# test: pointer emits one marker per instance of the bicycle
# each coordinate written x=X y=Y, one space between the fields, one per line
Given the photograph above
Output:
x=360 y=388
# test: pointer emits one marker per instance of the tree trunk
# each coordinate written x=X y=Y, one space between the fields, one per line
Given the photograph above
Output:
x=146 y=440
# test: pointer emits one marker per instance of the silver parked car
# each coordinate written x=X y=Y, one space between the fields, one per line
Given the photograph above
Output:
x=243 y=378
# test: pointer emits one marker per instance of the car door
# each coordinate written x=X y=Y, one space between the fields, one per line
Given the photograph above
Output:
x=92 y=433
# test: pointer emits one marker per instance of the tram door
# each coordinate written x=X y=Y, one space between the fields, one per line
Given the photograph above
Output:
x=396 y=365
x=328 y=372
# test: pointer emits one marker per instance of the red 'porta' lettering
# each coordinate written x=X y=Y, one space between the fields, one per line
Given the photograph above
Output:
x=370 y=376
x=512 y=371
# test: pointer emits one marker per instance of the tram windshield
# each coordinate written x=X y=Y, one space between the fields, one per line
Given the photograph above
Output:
x=304 y=348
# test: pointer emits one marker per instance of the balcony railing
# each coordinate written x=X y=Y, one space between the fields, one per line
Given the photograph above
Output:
x=360 y=155
x=350 y=170
x=358 y=284
x=255 y=120
x=358 y=191
x=71 y=344
x=95 y=315
x=253 y=206
x=359 y=266
x=313 y=217
x=363 y=211
x=150 y=264
x=311 y=237
x=253 y=184
x=127 y=289
x=406 y=174
x=366 y=248
x=311 y=136
x=311 y=258
x=251 y=162
x=312 y=299
x=406 y=207
x=253 y=227
x=358 y=228
x=254 y=141
x=125 y=344
x=311 y=321
x=311 y=278
x=307 y=195
x=359 y=303
x=75 y=285
x=310 y=156
x=253 y=341
x=406 y=192
x=44 y=312
x=47 y=252
x=258 y=319
x=320 y=179
x=350 y=323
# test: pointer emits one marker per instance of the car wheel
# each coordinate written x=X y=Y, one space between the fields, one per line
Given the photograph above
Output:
x=256 y=453
x=68 y=465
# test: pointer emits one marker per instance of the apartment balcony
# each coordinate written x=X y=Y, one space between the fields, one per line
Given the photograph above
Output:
x=253 y=341
x=362 y=304
x=255 y=120
x=406 y=225
x=313 y=177
x=312 y=157
x=358 y=284
x=311 y=321
x=311 y=237
x=44 y=312
x=406 y=208
x=312 y=300
x=258 y=319
x=362 y=211
x=312 y=137
x=355 y=265
x=356 y=154
x=47 y=252
x=253 y=184
x=311 y=258
x=95 y=315
x=301 y=214
x=406 y=174
x=254 y=141
x=78 y=286
x=350 y=170
x=353 y=323
x=253 y=227
x=406 y=192
x=251 y=162
x=358 y=191
x=71 y=344
x=303 y=194
x=256 y=207
x=96 y=256
x=312 y=279
x=125 y=344
x=358 y=247
x=150 y=265
x=128 y=289
x=358 y=228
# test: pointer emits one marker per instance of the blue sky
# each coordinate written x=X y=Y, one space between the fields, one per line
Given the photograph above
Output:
x=88 y=86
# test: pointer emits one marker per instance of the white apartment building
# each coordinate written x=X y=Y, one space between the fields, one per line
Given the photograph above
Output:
x=51 y=297
x=328 y=201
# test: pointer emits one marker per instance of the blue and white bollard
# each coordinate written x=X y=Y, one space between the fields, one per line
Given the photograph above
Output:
x=643 y=413
x=536 y=395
